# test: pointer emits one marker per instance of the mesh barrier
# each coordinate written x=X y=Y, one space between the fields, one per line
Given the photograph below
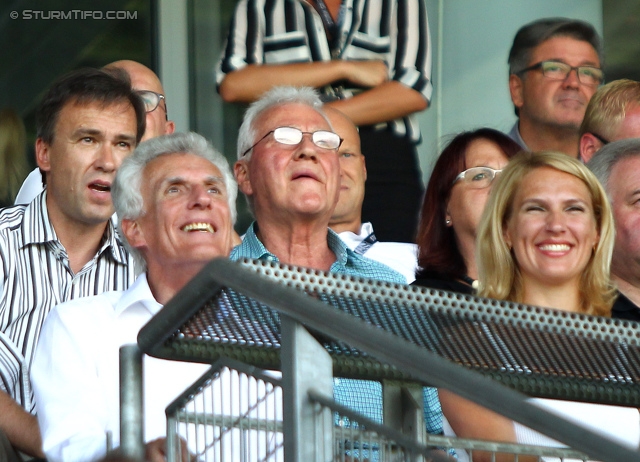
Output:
x=541 y=352
x=247 y=426
x=228 y=415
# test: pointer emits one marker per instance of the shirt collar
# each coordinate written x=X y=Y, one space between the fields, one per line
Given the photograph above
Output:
x=138 y=293
x=514 y=134
x=36 y=226
x=352 y=239
x=252 y=247
x=37 y=229
x=340 y=249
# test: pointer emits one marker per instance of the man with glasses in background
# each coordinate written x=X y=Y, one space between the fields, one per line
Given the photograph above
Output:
x=554 y=70
x=612 y=114
x=147 y=84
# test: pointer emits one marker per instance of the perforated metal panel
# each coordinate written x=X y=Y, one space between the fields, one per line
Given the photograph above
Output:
x=538 y=351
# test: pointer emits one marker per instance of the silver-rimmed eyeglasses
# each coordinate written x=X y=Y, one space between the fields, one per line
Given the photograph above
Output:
x=477 y=177
x=292 y=136
x=151 y=99
x=556 y=70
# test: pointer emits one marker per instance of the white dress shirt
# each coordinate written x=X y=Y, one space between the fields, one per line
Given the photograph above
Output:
x=75 y=373
x=401 y=256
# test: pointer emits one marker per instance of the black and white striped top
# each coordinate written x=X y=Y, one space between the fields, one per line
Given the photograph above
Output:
x=35 y=276
x=292 y=31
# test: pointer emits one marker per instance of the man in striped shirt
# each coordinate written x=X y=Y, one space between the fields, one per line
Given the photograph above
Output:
x=63 y=244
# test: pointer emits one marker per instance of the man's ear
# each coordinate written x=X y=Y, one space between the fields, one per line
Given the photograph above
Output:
x=169 y=127
x=589 y=145
x=241 y=172
x=43 y=153
x=364 y=166
x=133 y=233
x=516 y=90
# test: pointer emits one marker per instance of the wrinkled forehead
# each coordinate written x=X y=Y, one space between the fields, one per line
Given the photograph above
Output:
x=180 y=167
x=296 y=115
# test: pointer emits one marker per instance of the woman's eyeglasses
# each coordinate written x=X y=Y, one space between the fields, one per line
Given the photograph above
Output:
x=477 y=177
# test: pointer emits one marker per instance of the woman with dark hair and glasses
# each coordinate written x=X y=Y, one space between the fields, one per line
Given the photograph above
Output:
x=455 y=198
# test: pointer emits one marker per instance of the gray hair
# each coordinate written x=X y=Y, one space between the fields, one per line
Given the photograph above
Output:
x=274 y=97
x=126 y=189
x=603 y=161
x=534 y=33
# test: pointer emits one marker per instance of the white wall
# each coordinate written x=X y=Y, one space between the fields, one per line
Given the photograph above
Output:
x=174 y=65
x=471 y=42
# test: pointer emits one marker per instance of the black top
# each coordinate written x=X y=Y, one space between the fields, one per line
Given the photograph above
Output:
x=442 y=283
x=623 y=308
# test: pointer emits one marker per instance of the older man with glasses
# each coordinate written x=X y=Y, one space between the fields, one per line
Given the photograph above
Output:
x=289 y=171
x=554 y=70
x=147 y=84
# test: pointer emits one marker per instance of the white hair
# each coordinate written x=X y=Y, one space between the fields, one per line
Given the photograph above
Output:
x=126 y=189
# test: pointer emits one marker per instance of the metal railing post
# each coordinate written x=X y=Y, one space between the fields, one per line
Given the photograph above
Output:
x=305 y=365
x=131 y=404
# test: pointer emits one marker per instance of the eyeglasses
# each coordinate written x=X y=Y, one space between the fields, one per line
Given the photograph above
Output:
x=151 y=100
x=477 y=177
x=556 y=70
x=293 y=136
x=602 y=139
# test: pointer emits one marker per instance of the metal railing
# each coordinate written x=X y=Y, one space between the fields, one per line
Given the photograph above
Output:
x=238 y=310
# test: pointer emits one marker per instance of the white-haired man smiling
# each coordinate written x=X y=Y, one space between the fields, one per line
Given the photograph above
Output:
x=175 y=199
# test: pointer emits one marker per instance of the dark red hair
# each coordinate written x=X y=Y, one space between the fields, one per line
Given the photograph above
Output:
x=438 y=253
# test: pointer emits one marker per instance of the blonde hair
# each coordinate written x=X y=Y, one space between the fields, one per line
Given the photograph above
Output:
x=499 y=274
x=14 y=167
x=607 y=108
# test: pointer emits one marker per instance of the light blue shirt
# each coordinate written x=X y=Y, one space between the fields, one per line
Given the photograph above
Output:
x=363 y=396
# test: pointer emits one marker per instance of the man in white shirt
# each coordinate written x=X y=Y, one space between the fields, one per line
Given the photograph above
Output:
x=175 y=199
x=347 y=216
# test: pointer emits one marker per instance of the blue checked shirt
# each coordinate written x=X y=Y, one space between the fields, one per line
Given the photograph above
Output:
x=363 y=396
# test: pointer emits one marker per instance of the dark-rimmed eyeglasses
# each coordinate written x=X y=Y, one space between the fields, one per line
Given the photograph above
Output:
x=556 y=70
x=477 y=177
x=602 y=139
x=151 y=100
x=292 y=136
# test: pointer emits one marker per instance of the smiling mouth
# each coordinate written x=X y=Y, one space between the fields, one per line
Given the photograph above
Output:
x=555 y=247
x=198 y=227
